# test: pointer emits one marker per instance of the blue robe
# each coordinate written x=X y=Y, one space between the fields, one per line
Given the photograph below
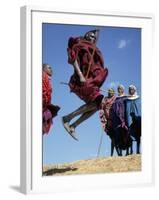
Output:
x=132 y=105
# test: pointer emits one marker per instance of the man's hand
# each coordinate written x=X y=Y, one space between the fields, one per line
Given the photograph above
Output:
x=123 y=125
x=82 y=79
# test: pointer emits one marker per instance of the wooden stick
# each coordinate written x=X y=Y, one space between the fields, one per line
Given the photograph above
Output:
x=89 y=67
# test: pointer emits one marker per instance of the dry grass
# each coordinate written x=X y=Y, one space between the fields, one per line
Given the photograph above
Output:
x=97 y=165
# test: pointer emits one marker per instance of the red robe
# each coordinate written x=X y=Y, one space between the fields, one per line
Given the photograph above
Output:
x=46 y=97
x=104 y=114
x=46 y=90
x=81 y=50
x=47 y=121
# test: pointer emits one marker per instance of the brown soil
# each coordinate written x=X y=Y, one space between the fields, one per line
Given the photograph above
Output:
x=97 y=165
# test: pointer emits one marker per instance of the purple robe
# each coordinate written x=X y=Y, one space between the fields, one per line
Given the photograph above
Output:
x=118 y=118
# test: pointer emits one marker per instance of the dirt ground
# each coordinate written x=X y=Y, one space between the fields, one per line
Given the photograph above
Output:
x=97 y=165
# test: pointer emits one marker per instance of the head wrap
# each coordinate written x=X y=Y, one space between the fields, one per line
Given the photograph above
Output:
x=93 y=33
x=121 y=87
x=134 y=88
x=111 y=91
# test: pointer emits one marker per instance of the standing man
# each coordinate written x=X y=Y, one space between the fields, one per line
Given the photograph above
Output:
x=119 y=108
x=49 y=110
x=121 y=91
x=105 y=115
x=89 y=75
x=105 y=111
x=133 y=116
x=118 y=117
x=131 y=104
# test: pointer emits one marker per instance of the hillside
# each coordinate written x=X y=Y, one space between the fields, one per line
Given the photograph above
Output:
x=96 y=165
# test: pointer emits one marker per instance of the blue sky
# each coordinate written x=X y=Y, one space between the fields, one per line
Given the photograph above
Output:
x=121 y=50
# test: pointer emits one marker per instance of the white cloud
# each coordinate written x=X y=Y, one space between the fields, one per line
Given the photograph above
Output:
x=122 y=44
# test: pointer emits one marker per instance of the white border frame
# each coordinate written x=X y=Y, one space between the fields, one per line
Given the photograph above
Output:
x=31 y=144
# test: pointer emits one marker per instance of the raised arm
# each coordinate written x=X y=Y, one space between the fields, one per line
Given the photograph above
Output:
x=78 y=71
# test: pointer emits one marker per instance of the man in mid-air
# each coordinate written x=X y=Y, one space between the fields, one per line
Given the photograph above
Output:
x=89 y=75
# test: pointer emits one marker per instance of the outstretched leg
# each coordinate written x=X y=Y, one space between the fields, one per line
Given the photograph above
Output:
x=86 y=110
x=82 y=109
x=83 y=117
x=79 y=121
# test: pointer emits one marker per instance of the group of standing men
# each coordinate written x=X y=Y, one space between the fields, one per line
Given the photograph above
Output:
x=120 y=116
